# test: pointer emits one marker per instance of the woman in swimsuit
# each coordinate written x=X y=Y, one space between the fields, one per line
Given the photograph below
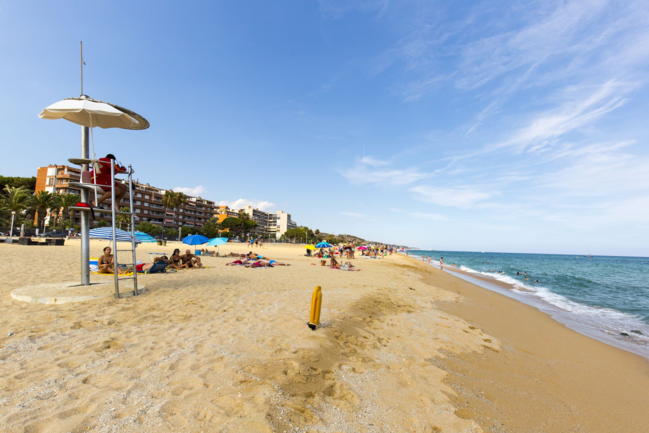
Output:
x=175 y=262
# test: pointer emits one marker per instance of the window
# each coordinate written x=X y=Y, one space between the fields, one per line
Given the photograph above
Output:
x=146 y=196
x=146 y=204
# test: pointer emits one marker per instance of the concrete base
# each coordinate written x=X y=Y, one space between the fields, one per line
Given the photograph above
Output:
x=62 y=293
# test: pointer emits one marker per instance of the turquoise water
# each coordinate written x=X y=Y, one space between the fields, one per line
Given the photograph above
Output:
x=603 y=297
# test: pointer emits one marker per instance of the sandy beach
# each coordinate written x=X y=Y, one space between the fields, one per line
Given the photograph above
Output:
x=402 y=347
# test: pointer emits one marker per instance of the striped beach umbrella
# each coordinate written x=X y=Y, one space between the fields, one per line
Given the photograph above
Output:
x=106 y=233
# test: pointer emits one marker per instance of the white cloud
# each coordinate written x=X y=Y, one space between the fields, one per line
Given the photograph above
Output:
x=194 y=192
x=580 y=108
x=361 y=175
x=368 y=160
x=461 y=197
x=265 y=206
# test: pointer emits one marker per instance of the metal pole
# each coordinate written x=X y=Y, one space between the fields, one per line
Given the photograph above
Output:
x=81 y=63
x=130 y=193
x=85 y=216
x=112 y=198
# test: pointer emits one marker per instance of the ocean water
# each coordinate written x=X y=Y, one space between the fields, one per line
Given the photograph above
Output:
x=604 y=297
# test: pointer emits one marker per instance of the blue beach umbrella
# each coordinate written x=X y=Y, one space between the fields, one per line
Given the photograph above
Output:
x=323 y=245
x=217 y=241
x=106 y=233
x=195 y=240
x=144 y=237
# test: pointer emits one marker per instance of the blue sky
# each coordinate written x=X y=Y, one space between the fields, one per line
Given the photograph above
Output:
x=487 y=126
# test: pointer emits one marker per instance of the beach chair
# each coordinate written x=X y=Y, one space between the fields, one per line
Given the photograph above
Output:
x=157 y=268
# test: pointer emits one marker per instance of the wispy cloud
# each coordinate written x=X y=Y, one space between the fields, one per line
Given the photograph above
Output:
x=373 y=161
x=360 y=175
x=265 y=206
x=580 y=108
x=462 y=197
x=193 y=191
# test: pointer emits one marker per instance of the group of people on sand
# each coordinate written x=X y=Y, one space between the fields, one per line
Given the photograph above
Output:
x=252 y=243
x=254 y=260
x=106 y=262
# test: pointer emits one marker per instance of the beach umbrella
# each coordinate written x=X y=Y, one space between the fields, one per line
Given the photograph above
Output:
x=310 y=247
x=90 y=112
x=144 y=237
x=106 y=233
x=323 y=245
x=195 y=240
x=361 y=248
x=217 y=241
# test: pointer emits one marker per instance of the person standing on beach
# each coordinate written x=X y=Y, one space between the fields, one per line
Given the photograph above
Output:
x=441 y=263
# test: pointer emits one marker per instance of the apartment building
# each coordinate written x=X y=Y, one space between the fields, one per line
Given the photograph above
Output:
x=147 y=200
x=270 y=224
x=55 y=179
x=223 y=212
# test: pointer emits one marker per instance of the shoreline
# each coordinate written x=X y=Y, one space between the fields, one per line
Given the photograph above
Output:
x=542 y=368
x=564 y=317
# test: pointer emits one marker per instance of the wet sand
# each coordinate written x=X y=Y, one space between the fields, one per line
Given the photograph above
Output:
x=545 y=377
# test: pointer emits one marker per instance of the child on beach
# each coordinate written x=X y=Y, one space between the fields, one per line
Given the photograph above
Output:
x=441 y=263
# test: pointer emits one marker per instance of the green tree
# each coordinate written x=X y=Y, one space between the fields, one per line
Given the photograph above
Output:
x=14 y=199
x=102 y=223
x=29 y=183
x=123 y=219
x=211 y=228
x=66 y=201
x=42 y=201
x=147 y=227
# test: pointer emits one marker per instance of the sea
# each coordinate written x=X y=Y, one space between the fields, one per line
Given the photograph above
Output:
x=603 y=297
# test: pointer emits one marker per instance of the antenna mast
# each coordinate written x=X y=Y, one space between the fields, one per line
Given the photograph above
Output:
x=81 y=60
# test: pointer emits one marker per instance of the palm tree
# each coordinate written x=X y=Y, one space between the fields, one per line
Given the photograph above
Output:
x=41 y=201
x=123 y=219
x=16 y=199
x=179 y=200
x=66 y=201
x=169 y=202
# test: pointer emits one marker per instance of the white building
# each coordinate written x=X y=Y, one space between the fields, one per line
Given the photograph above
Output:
x=270 y=223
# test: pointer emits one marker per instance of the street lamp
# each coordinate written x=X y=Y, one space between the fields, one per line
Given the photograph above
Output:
x=13 y=213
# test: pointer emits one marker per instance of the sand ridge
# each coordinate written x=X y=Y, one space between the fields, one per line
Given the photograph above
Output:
x=228 y=349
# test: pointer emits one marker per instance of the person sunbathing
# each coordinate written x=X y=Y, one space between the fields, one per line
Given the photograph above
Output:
x=242 y=261
x=334 y=263
x=191 y=260
x=206 y=251
x=176 y=262
x=106 y=263
x=348 y=267
x=272 y=263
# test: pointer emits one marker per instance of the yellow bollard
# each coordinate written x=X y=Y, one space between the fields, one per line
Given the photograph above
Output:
x=316 y=304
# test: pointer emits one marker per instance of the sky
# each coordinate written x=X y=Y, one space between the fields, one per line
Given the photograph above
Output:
x=512 y=126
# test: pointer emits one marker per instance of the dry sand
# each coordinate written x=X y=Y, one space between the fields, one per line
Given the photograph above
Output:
x=228 y=349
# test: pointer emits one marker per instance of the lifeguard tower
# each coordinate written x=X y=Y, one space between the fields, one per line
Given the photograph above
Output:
x=90 y=113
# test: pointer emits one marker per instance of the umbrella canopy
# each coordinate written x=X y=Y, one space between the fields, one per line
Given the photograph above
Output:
x=107 y=234
x=323 y=245
x=89 y=112
x=361 y=248
x=217 y=241
x=144 y=237
x=195 y=240
x=310 y=247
